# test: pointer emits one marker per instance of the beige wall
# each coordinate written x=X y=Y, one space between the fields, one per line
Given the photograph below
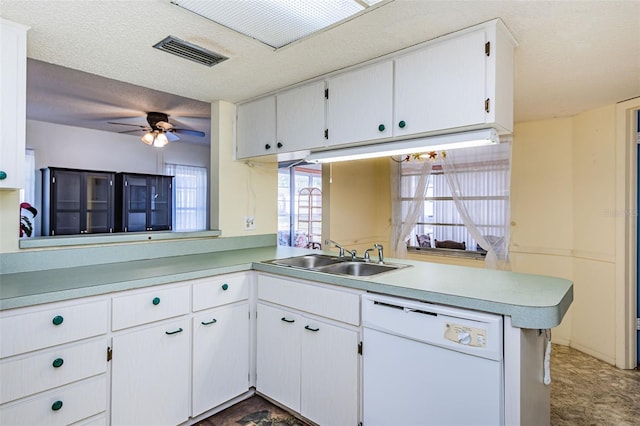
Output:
x=563 y=190
x=243 y=189
x=359 y=203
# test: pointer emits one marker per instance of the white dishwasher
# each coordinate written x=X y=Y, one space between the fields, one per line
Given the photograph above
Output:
x=428 y=364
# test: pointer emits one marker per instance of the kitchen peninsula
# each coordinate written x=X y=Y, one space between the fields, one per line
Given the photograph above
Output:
x=212 y=277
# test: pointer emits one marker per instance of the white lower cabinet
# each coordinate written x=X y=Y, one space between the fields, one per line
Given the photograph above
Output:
x=278 y=362
x=150 y=375
x=220 y=356
x=308 y=363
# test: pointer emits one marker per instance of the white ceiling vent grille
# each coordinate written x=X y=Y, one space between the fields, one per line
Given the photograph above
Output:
x=190 y=51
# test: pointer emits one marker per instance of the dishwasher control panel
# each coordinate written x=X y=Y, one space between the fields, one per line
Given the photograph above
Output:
x=465 y=335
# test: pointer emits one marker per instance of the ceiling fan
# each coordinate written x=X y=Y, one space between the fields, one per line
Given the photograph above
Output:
x=159 y=132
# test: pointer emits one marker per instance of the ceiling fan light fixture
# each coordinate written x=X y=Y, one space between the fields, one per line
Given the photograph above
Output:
x=155 y=138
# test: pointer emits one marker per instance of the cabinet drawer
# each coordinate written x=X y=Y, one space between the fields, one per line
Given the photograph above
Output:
x=340 y=305
x=51 y=327
x=150 y=306
x=60 y=406
x=221 y=290
x=27 y=375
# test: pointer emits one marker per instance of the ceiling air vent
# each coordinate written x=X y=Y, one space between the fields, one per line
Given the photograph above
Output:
x=190 y=51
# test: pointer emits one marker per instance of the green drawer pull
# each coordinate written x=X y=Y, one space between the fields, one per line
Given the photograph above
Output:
x=381 y=127
x=156 y=301
x=56 y=405
x=225 y=287
x=287 y=320
x=213 y=321
x=57 y=320
x=306 y=327
x=401 y=124
x=180 y=330
x=3 y=175
x=57 y=362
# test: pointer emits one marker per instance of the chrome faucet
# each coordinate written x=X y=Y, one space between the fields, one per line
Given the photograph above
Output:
x=380 y=256
x=367 y=257
x=342 y=249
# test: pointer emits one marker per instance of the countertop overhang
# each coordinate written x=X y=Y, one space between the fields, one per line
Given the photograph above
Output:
x=532 y=301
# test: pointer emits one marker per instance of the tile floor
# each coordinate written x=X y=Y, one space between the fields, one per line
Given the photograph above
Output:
x=584 y=391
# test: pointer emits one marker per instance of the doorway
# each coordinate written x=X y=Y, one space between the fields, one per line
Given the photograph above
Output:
x=300 y=205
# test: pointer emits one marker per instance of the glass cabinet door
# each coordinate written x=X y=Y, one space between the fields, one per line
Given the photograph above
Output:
x=66 y=202
x=136 y=203
x=160 y=203
x=99 y=193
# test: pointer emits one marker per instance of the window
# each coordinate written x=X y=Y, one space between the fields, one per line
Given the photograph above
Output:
x=300 y=205
x=28 y=194
x=190 y=197
x=465 y=203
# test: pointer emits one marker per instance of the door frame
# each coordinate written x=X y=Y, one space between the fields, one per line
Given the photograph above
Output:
x=626 y=199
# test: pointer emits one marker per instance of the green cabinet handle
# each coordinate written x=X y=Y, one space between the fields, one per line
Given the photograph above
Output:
x=57 y=320
x=3 y=175
x=287 y=320
x=156 y=301
x=279 y=144
x=56 y=405
x=267 y=146
x=213 y=321
x=306 y=327
x=381 y=127
x=180 y=330
x=401 y=124
x=225 y=287
x=58 y=362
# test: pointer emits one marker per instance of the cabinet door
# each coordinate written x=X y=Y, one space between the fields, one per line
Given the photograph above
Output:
x=329 y=373
x=278 y=361
x=150 y=375
x=300 y=118
x=13 y=86
x=360 y=103
x=98 y=202
x=442 y=86
x=160 y=197
x=66 y=202
x=256 y=128
x=220 y=356
x=136 y=195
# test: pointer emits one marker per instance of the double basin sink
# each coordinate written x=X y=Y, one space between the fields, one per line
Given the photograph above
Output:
x=336 y=265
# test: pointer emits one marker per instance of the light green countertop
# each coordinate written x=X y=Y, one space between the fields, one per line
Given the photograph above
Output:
x=532 y=301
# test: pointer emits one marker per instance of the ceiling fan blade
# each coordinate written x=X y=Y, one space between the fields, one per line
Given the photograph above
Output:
x=127 y=124
x=172 y=137
x=190 y=132
x=133 y=131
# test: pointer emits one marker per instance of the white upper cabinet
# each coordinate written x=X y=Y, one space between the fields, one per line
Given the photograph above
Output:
x=13 y=86
x=359 y=106
x=300 y=118
x=451 y=84
x=290 y=121
x=256 y=128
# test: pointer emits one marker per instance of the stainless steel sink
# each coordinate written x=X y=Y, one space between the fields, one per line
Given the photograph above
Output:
x=310 y=261
x=357 y=269
x=336 y=265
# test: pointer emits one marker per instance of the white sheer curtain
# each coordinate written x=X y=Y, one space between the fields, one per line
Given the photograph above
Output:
x=474 y=175
x=190 y=197
x=407 y=203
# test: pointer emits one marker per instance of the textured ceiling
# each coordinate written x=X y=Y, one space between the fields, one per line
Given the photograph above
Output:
x=572 y=56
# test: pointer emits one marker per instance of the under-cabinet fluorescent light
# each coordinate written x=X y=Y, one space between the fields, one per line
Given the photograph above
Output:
x=410 y=146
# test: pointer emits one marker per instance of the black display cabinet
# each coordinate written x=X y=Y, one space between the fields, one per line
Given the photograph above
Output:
x=143 y=202
x=77 y=201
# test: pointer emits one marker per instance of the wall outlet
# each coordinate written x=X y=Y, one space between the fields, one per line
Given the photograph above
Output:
x=249 y=223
